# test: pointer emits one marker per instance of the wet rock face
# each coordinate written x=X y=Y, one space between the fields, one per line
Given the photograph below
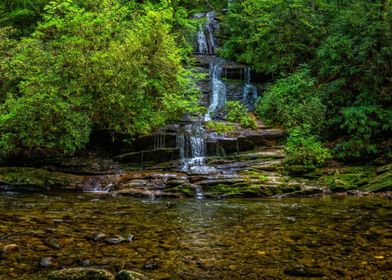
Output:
x=81 y=274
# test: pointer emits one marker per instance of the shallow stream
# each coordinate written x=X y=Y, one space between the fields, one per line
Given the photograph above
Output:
x=325 y=238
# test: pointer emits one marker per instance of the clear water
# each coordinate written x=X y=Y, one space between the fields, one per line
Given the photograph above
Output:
x=327 y=238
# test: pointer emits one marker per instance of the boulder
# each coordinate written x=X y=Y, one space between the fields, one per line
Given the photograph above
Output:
x=27 y=178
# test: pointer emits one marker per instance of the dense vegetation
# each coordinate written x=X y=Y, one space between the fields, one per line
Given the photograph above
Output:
x=91 y=65
x=74 y=66
x=332 y=63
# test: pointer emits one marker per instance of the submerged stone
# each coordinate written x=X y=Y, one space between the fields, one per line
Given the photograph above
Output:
x=130 y=275
x=46 y=262
x=52 y=243
x=80 y=274
x=9 y=249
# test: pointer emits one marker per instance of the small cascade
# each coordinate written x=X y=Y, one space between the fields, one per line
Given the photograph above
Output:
x=159 y=141
x=192 y=146
x=98 y=184
x=218 y=96
x=206 y=41
x=250 y=91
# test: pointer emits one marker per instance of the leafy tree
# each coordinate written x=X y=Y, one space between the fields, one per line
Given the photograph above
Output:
x=83 y=70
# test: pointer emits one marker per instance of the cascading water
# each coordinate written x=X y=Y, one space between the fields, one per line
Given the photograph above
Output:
x=250 y=91
x=192 y=146
x=159 y=141
x=218 y=97
x=206 y=42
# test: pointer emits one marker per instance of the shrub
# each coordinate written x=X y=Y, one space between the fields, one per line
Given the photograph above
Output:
x=220 y=127
x=293 y=101
x=303 y=148
x=237 y=112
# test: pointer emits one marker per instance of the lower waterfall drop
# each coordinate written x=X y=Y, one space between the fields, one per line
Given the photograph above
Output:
x=192 y=146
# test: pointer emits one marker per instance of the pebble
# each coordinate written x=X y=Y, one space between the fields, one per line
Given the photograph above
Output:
x=115 y=240
x=9 y=249
x=52 y=243
x=46 y=262
x=99 y=237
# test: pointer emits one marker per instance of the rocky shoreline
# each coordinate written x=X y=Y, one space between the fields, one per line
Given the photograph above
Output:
x=250 y=164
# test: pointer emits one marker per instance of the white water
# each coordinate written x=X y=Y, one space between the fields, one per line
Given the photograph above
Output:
x=218 y=96
x=206 y=42
x=250 y=91
x=192 y=147
x=193 y=153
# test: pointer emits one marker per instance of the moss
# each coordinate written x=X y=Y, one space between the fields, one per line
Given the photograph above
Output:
x=80 y=274
x=348 y=178
x=381 y=182
x=299 y=169
x=38 y=178
x=236 y=190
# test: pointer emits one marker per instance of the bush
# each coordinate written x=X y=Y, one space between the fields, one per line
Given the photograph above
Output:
x=237 y=112
x=305 y=149
x=293 y=101
x=220 y=127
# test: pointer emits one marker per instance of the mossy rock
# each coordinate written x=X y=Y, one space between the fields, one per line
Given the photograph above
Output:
x=347 y=178
x=236 y=190
x=380 y=183
x=80 y=274
x=32 y=178
x=298 y=169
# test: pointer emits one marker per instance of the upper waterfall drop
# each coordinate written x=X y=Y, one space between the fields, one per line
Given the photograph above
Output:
x=206 y=41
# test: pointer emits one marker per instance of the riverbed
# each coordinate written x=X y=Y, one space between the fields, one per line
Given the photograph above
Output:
x=331 y=237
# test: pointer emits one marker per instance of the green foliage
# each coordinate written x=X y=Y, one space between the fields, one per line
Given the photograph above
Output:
x=98 y=69
x=220 y=127
x=303 y=148
x=237 y=112
x=273 y=36
x=293 y=101
x=347 y=47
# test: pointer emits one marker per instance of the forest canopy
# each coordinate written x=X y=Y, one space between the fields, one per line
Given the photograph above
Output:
x=110 y=66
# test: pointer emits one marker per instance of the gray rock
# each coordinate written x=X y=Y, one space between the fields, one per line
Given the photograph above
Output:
x=115 y=240
x=46 y=262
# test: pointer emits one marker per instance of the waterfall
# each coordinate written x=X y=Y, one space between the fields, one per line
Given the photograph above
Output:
x=206 y=42
x=192 y=146
x=218 y=97
x=250 y=91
